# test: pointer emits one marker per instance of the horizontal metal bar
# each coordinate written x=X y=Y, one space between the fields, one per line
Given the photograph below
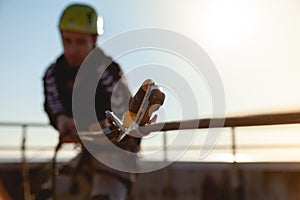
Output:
x=235 y=121
x=20 y=124
x=37 y=148
x=149 y=148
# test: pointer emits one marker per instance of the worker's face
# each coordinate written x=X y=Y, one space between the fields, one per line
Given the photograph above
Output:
x=77 y=46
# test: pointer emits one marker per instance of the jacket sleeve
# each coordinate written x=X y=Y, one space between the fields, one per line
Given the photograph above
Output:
x=52 y=104
x=112 y=92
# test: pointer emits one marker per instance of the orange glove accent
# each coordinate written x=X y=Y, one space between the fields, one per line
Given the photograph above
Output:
x=156 y=99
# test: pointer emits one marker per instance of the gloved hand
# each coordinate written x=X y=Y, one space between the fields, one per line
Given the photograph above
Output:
x=66 y=127
x=156 y=100
x=129 y=142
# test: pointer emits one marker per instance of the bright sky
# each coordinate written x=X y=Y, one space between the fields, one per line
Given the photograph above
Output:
x=254 y=44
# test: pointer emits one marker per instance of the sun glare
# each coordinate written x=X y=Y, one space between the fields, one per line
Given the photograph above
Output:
x=226 y=22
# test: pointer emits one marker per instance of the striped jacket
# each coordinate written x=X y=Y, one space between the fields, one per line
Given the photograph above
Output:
x=59 y=82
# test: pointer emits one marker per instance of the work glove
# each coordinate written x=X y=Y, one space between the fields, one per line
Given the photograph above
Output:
x=113 y=131
x=66 y=128
x=156 y=99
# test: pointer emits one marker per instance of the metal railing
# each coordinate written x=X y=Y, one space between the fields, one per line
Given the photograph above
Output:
x=229 y=122
x=24 y=134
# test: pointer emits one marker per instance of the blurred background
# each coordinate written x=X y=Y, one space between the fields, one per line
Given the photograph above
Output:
x=255 y=47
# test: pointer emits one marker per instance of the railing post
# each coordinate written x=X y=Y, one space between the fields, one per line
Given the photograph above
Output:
x=233 y=144
x=235 y=174
x=165 y=146
x=25 y=170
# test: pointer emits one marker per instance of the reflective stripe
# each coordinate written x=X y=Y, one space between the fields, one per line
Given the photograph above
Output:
x=53 y=102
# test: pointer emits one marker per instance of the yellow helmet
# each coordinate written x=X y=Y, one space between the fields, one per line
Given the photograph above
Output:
x=79 y=18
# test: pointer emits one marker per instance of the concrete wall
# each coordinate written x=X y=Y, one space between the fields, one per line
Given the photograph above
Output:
x=190 y=181
x=221 y=181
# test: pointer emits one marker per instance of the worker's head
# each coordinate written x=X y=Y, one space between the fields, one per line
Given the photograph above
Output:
x=78 y=27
